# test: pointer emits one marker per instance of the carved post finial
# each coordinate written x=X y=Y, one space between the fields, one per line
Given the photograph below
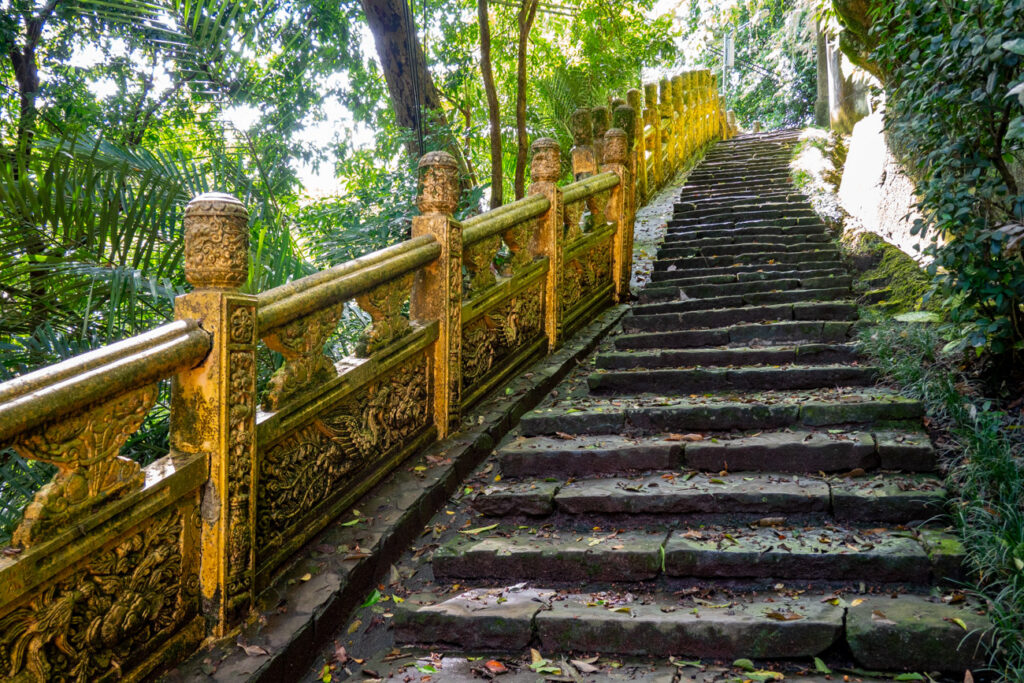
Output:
x=624 y=117
x=601 y=122
x=438 y=183
x=216 y=242
x=580 y=123
x=615 y=146
x=546 y=163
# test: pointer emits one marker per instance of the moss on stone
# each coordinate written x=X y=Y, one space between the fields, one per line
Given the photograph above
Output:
x=904 y=279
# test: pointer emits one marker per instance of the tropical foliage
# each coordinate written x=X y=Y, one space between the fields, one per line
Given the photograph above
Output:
x=955 y=87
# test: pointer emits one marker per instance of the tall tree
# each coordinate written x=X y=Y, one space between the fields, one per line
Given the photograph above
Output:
x=493 y=108
x=527 y=13
x=410 y=87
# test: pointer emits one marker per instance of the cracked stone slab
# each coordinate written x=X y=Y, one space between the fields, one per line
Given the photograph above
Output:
x=892 y=498
x=481 y=618
x=785 y=452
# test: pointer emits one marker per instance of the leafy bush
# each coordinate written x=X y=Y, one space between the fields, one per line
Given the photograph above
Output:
x=955 y=94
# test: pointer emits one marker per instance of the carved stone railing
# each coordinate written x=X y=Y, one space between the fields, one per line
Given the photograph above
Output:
x=118 y=570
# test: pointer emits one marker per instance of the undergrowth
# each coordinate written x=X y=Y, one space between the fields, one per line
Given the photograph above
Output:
x=983 y=446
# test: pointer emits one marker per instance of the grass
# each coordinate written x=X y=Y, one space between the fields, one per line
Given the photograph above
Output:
x=984 y=448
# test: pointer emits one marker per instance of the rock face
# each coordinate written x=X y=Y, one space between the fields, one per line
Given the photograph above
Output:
x=722 y=480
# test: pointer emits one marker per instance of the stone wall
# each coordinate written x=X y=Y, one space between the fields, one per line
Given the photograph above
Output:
x=877 y=192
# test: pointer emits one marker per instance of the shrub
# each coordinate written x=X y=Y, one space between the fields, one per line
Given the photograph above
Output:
x=953 y=74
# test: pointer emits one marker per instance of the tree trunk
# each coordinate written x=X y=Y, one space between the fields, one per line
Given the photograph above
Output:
x=493 y=110
x=406 y=75
x=527 y=13
x=821 y=110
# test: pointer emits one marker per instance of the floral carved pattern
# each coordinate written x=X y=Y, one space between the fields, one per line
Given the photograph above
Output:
x=301 y=342
x=584 y=274
x=497 y=335
x=241 y=415
x=316 y=461
x=106 y=616
x=384 y=304
x=84 y=449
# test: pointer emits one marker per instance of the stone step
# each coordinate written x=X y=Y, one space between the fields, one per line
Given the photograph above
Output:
x=702 y=226
x=511 y=617
x=803 y=354
x=681 y=381
x=678 y=248
x=708 y=208
x=664 y=300
x=883 y=498
x=796 y=553
x=740 y=214
x=686 y=264
x=824 y=553
x=723 y=317
x=774 y=334
x=739 y=248
x=747 y=199
x=764 y=410
x=687 y=235
x=799 y=451
x=746 y=275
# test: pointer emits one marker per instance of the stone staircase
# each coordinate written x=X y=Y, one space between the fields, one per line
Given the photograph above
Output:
x=724 y=480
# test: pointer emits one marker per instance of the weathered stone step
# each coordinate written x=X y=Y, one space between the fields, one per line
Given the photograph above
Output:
x=739 y=248
x=664 y=628
x=742 y=214
x=722 y=317
x=693 y=209
x=681 y=381
x=799 y=451
x=745 y=275
x=808 y=354
x=509 y=618
x=819 y=553
x=694 y=245
x=762 y=410
x=665 y=300
x=755 y=257
x=888 y=498
x=786 y=332
x=830 y=553
x=561 y=555
x=747 y=199
x=721 y=188
x=686 y=235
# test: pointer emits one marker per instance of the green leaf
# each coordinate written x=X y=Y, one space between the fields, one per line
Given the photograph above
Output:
x=373 y=599
x=910 y=677
x=744 y=664
x=820 y=667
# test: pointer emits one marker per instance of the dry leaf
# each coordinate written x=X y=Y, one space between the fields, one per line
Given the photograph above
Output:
x=253 y=650
x=495 y=667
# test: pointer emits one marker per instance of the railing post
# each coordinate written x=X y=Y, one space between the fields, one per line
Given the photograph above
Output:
x=665 y=98
x=437 y=292
x=616 y=156
x=213 y=405
x=677 y=128
x=634 y=100
x=545 y=167
x=625 y=119
x=599 y=117
x=653 y=116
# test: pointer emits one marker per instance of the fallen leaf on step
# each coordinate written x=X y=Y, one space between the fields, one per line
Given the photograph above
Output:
x=585 y=666
x=495 y=667
x=784 y=616
x=253 y=650
x=878 y=616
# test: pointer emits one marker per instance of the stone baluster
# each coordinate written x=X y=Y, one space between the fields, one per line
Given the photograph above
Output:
x=678 y=108
x=634 y=98
x=625 y=119
x=545 y=167
x=616 y=158
x=437 y=288
x=600 y=119
x=213 y=405
x=584 y=165
x=665 y=109
x=652 y=115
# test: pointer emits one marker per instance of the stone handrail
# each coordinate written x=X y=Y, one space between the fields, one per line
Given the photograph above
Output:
x=118 y=570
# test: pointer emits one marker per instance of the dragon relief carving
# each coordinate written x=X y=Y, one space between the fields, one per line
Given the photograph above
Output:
x=499 y=333
x=584 y=274
x=106 y=616
x=313 y=463
x=84 y=448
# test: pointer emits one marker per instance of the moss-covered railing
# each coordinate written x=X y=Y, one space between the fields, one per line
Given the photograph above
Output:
x=117 y=570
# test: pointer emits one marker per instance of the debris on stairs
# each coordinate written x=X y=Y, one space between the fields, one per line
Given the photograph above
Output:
x=722 y=483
